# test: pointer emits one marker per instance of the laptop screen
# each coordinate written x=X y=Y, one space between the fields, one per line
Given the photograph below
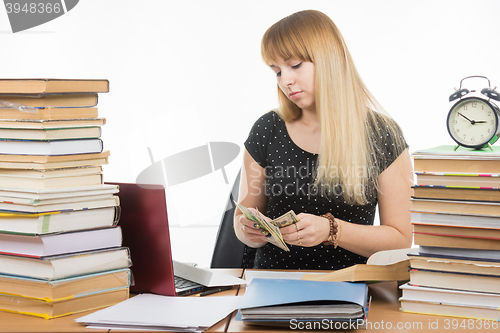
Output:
x=145 y=229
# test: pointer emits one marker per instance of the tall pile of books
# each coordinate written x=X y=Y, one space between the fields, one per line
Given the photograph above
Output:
x=60 y=246
x=456 y=220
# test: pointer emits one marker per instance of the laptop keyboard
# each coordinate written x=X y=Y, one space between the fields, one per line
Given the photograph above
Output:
x=181 y=283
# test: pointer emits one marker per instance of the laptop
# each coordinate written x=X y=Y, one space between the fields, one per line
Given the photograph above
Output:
x=145 y=230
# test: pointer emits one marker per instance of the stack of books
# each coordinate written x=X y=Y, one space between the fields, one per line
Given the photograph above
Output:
x=60 y=246
x=456 y=221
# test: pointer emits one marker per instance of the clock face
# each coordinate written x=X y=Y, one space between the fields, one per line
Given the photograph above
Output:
x=472 y=122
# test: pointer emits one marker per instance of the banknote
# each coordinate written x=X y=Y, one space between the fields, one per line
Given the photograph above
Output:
x=271 y=227
x=285 y=219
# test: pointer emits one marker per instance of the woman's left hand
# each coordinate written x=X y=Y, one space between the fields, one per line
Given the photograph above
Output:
x=311 y=230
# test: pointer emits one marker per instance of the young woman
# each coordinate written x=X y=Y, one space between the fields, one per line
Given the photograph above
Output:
x=329 y=154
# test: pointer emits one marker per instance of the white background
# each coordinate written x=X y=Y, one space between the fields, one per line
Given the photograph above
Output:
x=184 y=73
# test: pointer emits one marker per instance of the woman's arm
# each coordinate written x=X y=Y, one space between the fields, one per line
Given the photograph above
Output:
x=394 y=210
x=251 y=194
x=395 y=229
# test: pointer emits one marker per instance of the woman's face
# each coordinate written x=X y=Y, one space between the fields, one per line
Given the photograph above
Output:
x=296 y=80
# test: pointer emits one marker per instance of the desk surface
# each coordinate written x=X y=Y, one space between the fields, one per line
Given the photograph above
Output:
x=384 y=315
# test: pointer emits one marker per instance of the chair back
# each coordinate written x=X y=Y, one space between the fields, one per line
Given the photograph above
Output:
x=228 y=250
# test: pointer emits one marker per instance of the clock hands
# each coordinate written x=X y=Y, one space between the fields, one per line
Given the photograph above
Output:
x=473 y=121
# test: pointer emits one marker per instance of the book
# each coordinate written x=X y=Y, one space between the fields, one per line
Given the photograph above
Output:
x=474 y=180
x=64 y=307
x=458 y=253
x=455 y=165
x=65 y=265
x=77 y=203
x=63 y=243
x=51 y=134
x=462 y=153
x=455 y=280
x=277 y=301
x=47 y=113
x=52 y=86
x=480 y=243
x=45 y=124
x=25 y=103
x=35 y=195
x=456 y=193
x=54 y=165
x=57 y=222
x=52 y=173
x=417 y=293
x=455 y=264
x=390 y=265
x=60 y=147
x=450 y=309
x=34 y=182
x=41 y=161
x=457 y=231
x=59 y=289
x=455 y=220
x=484 y=208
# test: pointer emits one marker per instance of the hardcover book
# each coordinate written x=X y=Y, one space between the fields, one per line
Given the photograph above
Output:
x=52 y=86
x=65 y=265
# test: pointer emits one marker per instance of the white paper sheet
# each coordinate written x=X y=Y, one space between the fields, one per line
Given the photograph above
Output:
x=206 y=276
x=147 y=310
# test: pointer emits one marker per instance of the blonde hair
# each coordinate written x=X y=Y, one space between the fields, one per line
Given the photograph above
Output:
x=343 y=104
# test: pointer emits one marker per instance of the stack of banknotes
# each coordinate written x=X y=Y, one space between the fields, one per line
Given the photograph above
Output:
x=272 y=227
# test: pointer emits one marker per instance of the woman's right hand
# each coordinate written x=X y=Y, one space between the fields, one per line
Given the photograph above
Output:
x=251 y=229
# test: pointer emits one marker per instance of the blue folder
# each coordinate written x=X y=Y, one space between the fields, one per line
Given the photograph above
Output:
x=272 y=292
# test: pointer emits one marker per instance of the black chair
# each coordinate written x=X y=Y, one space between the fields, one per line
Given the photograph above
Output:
x=229 y=252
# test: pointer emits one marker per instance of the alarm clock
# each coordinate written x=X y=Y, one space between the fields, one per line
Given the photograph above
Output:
x=473 y=121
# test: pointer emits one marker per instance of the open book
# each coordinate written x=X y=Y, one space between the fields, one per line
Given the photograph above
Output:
x=271 y=227
x=391 y=265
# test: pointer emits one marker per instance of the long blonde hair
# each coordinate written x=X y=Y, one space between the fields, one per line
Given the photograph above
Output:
x=343 y=104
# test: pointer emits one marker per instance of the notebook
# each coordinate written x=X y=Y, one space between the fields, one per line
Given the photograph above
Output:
x=145 y=230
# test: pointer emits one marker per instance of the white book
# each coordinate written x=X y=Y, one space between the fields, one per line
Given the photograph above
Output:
x=66 y=265
x=54 y=173
x=51 y=134
x=36 y=194
x=54 y=244
x=55 y=201
x=426 y=294
x=110 y=201
x=38 y=224
x=32 y=182
x=60 y=147
x=450 y=309
x=455 y=220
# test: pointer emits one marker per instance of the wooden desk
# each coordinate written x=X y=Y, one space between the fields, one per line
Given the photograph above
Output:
x=384 y=316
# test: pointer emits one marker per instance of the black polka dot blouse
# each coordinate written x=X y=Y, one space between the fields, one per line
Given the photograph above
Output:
x=289 y=179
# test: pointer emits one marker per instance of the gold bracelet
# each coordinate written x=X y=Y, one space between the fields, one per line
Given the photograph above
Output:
x=334 y=228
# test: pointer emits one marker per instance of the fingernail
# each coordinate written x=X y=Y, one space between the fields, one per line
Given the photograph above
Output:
x=255 y=225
